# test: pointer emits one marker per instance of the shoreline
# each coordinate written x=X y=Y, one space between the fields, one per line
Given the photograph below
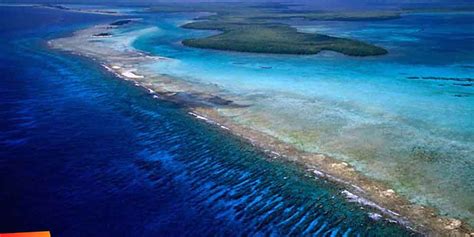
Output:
x=359 y=188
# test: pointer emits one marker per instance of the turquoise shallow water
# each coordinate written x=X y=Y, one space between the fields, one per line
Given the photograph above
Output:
x=414 y=134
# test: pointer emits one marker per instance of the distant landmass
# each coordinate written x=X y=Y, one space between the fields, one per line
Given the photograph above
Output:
x=259 y=29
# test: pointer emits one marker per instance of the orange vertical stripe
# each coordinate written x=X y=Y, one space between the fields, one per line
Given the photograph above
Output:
x=28 y=234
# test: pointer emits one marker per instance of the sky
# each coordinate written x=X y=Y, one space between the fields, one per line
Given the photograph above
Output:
x=305 y=1
x=317 y=3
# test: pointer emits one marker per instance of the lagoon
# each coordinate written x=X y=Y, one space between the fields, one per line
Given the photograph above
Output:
x=416 y=135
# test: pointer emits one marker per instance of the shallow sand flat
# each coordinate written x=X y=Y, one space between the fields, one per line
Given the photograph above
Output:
x=272 y=126
x=131 y=74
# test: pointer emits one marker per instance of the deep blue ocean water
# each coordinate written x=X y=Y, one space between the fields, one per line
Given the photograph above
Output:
x=83 y=153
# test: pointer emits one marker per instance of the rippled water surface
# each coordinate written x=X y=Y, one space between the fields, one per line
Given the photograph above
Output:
x=83 y=153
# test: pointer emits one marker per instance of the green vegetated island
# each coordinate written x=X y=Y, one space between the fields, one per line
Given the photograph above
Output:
x=275 y=38
x=259 y=29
